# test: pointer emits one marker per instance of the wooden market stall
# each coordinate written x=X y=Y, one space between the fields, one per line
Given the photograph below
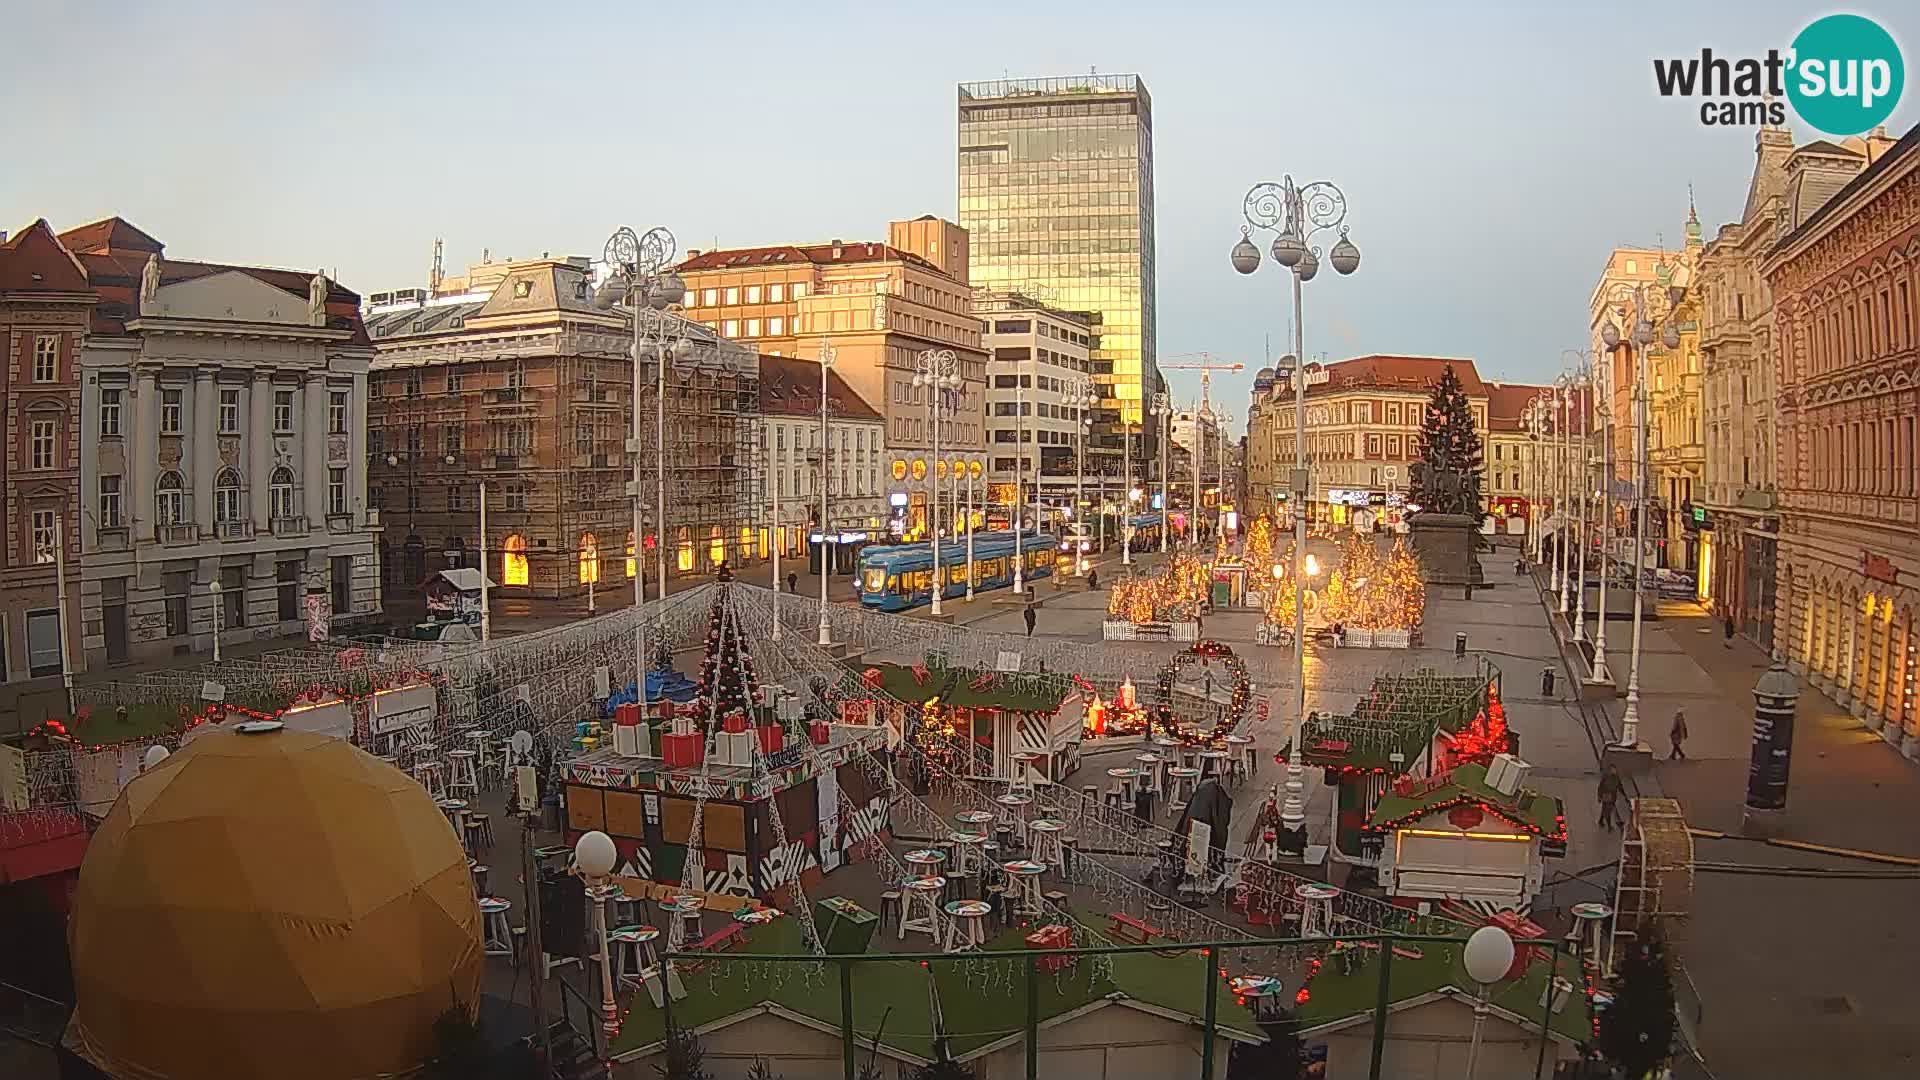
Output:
x=1003 y=713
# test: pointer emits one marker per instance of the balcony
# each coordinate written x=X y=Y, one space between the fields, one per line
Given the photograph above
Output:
x=290 y=526
x=501 y=462
x=233 y=530
x=185 y=533
x=512 y=397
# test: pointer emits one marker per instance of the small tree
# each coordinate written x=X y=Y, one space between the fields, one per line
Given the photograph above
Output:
x=763 y=1071
x=1636 y=1034
x=686 y=1057
x=1446 y=478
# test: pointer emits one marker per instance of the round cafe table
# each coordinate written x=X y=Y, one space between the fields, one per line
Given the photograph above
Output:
x=1126 y=775
x=1013 y=814
x=637 y=942
x=926 y=860
x=686 y=907
x=1046 y=840
x=1213 y=763
x=1182 y=779
x=1024 y=877
x=1260 y=992
x=1245 y=760
x=966 y=850
x=966 y=924
x=754 y=916
x=974 y=817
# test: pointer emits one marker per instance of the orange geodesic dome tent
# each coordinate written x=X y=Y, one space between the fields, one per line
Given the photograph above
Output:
x=270 y=904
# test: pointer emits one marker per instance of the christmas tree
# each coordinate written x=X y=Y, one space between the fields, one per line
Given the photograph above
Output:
x=726 y=670
x=1637 y=1032
x=1446 y=478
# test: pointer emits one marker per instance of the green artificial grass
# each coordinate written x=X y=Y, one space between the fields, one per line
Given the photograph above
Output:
x=1470 y=780
x=144 y=719
x=1335 y=996
x=953 y=686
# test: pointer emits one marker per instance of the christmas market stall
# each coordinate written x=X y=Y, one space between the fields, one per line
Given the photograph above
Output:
x=1003 y=714
x=1472 y=833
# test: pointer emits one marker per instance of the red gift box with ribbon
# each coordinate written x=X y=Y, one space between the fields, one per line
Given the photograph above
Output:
x=734 y=722
x=818 y=731
x=682 y=751
x=772 y=738
x=1051 y=937
x=627 y=715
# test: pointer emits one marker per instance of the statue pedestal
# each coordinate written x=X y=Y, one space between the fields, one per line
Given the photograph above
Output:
x=1444 y=544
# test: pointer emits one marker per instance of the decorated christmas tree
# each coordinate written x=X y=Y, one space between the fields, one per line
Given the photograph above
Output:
x=1446 y=476
x=1259 y=547
x=726 y=670
x=1636 y=1034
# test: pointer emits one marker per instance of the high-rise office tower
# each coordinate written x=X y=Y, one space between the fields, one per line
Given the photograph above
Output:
x=1056 y=194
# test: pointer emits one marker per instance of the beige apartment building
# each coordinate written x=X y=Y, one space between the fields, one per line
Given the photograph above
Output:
x=878 y=307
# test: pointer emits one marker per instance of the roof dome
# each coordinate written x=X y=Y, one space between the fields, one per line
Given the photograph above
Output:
x=272 y=904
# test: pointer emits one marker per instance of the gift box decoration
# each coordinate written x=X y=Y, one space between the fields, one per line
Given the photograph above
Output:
x=682 y=750
x=772 y=738
x=734 y=722
x=819 y=732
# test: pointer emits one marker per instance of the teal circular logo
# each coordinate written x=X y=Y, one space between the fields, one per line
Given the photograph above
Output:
x=1846 y=75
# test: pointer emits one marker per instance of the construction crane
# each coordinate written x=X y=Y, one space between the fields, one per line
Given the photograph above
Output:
x=1206 y=364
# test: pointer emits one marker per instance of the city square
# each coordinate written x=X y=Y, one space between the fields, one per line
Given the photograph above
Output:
x=1061 y=589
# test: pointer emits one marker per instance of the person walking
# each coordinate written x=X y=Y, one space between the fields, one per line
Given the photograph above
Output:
x=1609 y=799
x=793 y=582
x=1029 y=616
x=1678 y=735
x=1093 y=580
x=1727 y=619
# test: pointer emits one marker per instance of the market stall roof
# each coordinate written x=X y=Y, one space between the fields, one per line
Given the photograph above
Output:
x=466 y=579
x=1468 y=784
x=974 y=1017
x=1398 y=715
x=956 y=686
x=1428 y=969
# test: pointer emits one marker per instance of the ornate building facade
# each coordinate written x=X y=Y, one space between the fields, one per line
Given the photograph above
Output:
x=1844 y=282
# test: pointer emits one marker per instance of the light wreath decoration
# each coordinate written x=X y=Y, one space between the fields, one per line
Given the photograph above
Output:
x=1205 y=653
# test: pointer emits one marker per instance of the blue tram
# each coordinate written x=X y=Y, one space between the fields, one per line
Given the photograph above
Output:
x=900 y=576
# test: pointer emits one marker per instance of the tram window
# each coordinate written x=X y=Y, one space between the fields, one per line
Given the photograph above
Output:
x=893 y=584
x=957 y=574
x=876 y=579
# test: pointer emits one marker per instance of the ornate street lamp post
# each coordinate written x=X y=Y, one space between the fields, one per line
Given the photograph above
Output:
x=1642 y=337
x=826 y=443
x=1296 y=215
x=1163 y=410
x=938 y=370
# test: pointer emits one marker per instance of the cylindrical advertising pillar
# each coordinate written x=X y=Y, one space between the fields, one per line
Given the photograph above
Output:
x=1774 y=698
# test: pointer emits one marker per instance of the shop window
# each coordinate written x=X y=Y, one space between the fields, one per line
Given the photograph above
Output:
x=513 y=561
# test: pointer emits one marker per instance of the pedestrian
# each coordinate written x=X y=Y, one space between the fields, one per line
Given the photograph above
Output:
x=1028 y=614
x=1678 y=735
x=1609 y=798
x=1093 y=580
x=793 y=582
x=1727 y=620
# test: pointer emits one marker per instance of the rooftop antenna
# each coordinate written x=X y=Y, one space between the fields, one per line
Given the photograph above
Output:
x=436 y=275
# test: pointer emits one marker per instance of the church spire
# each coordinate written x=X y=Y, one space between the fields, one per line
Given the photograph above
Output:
x=1693 y=220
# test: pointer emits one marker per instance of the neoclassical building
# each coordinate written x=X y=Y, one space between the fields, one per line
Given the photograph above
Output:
x=1844 y=281
x=224 y=473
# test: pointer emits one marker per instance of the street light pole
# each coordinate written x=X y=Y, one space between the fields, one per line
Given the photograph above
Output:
x=1296 y=214
x=214 y=588
x=825 y=637
x=1604 y=376
x=1083 y=395
x=1562 y=460
x=938 y=371
x=969 y=519
x=776 y=472
x=1019 y=486
x=1163 y=409
x=637 y=262
x=1641 y=338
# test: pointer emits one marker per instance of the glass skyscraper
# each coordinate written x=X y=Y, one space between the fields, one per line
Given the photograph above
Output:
x=1056 y=193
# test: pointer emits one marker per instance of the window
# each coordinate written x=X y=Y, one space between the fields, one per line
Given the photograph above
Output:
x=342 y=575
x=233 y=596
x=110 y=413
x=43 y=527
x=281 y=492
x=797 y=290
x=453 y=438
x=776 y=326
x=733 y=296
x=170 y=412
x=753 y=294
x=170 y=502
x=282 y=411
x=709 y=297
x=226 y=497
x=589 y=558
x=46 y=358
x=337 y=412
x=41 y=443
x=337 y=492
x=456 y=381
x=414 y=387
x=456 y=497
x=176 y=586
x=753 y=327
x=730 y=328
x=516 y=496
x=286 y=576
x=775 y=293
x=229 y=412
x=43 y=643
x=110 y=517
x=513 y=558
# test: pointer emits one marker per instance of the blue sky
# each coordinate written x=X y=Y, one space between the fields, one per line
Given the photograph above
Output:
x=1491 y=153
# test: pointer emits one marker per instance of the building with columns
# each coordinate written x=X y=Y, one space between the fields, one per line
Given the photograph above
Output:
x=226 y=409
x=1844 y=280
x=45 y=304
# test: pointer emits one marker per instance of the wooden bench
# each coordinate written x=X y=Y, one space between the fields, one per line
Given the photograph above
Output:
x=1129 y=929
x=722 y=940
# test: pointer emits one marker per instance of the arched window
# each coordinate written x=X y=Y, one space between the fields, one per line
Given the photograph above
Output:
x=170 y=500
x=226 y=497
x=513 y=561
x=589 y=558
x=281 y=489
x=632 y=566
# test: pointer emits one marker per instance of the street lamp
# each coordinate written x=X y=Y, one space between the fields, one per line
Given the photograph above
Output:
x=1221 y=418
x=1488 y=957
x=1641 y=338
x=1295 y=215
x=1127 y=492
x=1083 y=396
x=1601 y=383
x=1591 y=373
x=1564 y=480
x=971 y=468
x=636 y=262
x=1163 y=409
x=938 y=370
x=214 y=588
x=594 y=856
x=827 y=355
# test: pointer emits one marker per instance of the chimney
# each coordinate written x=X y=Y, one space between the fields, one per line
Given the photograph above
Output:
x=836 y=247
x=693 y=253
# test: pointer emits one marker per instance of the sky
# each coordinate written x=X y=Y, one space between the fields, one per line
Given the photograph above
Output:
x=1492 y=154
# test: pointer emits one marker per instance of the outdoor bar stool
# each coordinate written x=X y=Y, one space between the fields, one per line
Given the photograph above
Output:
x=1246 y=760
x=635 y=942
x=966 y=929
x=1046 y=834
x=1026 y=763
x=420 y=750
x=487 y=756
x=1184 y=780
x=1070 y=858
x=496 y=931
x=1013 y=812
x=479 y=872
x=1024 y=877
x=1090 y=796
x=889 y=902
x=1189 y=756
x=920 y=909
x=474 y=832
x=485 y=824
x=966 y=851
x=462 y=781
x=429 y=775
x=1213 y=764
x=1152 y=769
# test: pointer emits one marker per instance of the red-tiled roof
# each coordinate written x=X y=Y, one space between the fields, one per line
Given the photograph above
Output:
x=796 y=255
x=1507 y=403
x=1387 y=372
x=790 y=386
x=33 y=260
x=112 y=234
